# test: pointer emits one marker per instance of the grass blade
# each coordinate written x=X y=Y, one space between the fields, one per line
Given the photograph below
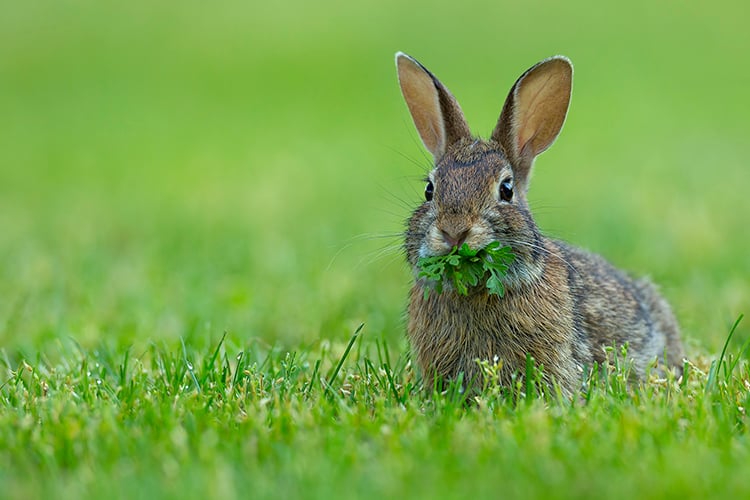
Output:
x=189 y=366
x=716 y=365
x=343 y=358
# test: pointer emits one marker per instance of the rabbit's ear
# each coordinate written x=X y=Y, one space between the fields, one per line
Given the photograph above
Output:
x=437 y=116
x=534 y=113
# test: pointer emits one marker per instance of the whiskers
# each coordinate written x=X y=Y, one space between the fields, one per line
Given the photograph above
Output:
x=542 y=249
x=399 y=197
x=392 y=249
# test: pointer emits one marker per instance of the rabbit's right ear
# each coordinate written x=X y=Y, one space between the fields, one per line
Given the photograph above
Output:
x=436 y=114
x=534 y=113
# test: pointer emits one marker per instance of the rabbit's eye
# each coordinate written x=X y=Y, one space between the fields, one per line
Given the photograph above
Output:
x=506 y=190
x=428 y=190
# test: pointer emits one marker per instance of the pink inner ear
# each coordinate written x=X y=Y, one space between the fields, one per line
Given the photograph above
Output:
x=534 y=112
x=525 y=147
x=541 y=105
x=527 y=132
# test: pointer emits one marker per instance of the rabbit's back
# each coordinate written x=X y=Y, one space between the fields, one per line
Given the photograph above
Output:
x=613 y=309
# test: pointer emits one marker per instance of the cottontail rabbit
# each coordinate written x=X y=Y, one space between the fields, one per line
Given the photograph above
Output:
x=563 y=306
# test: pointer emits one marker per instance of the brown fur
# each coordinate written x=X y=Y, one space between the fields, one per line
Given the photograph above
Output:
x=563 y=305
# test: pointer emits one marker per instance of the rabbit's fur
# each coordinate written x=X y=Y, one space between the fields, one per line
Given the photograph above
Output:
x=563 y=306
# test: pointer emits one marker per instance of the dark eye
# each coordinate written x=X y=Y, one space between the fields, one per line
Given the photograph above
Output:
x=506 y=190
x=428 y=191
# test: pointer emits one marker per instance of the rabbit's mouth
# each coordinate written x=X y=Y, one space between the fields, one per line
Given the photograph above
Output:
x=441 y=240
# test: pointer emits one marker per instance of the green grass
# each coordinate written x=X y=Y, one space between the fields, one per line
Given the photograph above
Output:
x=199 y=206
x=264 y=422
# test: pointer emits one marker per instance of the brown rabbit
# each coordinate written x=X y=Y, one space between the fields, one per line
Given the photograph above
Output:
x=563 y=306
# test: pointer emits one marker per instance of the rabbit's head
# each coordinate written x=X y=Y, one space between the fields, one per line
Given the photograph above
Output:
x=476 y=194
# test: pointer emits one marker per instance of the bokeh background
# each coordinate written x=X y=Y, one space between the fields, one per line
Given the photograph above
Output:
x=183 y=169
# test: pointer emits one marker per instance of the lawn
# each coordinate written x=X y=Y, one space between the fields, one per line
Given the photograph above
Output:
x=200 y=206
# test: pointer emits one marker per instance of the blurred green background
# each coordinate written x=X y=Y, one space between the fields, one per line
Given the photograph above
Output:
x=181 y=169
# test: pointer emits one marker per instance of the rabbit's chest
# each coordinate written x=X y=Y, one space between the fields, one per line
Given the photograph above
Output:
x=482 y=327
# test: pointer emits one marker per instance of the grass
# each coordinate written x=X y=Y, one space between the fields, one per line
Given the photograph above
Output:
x=198 y=209
x=349 y=421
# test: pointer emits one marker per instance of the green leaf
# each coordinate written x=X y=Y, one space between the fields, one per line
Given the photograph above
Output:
x=465 y=267
x=466 y=251
x=495 y=285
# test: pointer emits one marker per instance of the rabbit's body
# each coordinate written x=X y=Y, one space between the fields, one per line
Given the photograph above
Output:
x=563 y=306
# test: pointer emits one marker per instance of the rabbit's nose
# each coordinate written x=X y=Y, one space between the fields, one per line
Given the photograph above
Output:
x=455 y=239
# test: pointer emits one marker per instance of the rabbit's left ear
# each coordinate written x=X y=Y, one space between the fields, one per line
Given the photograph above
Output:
x=534 y=113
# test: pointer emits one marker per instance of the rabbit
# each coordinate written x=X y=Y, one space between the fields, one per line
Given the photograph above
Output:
x=563 y=306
